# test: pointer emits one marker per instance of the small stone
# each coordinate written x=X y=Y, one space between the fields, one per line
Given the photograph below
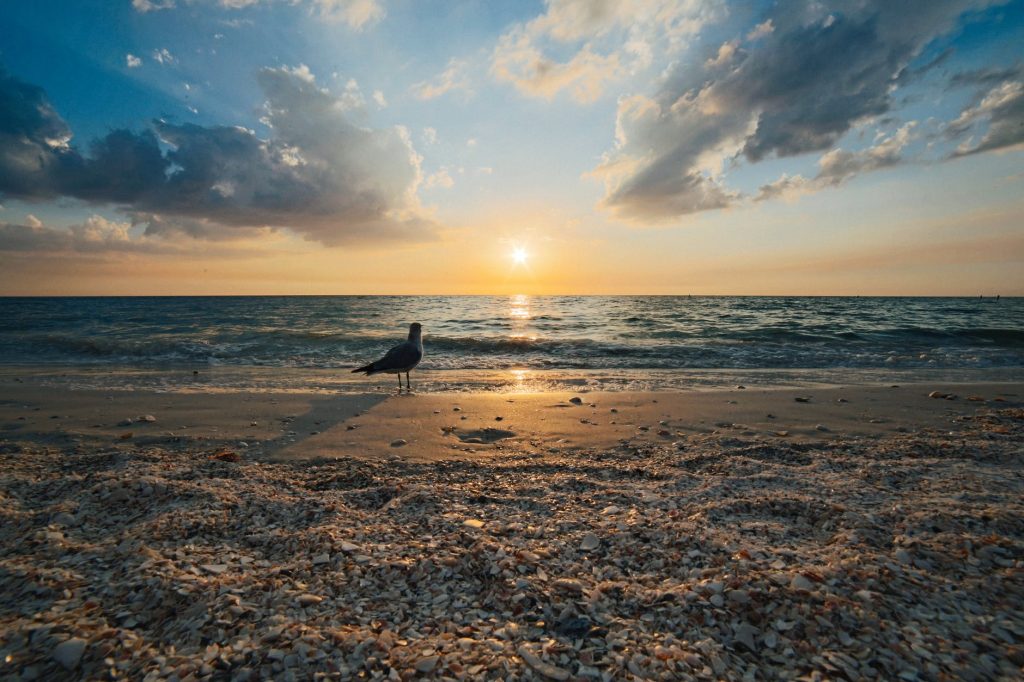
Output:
x=576 y=400
x=590 y=542
x=820 y=427
x=309 y=599
x=214 y=569
x=799 y=582
x=348 y=547
x=545 y=669
x=498 y=419
x=717 y=600
x=937 y=394
x=473 y=523
x=568 y=585
x=321 y=559
x=69 y=652
x=126 y=422
x=738 y=596
x=802 y=400
x=427 y=664
x=609 y=510
x=146 y=418
x=126 y=436
x=399 y=442
x=744 y=633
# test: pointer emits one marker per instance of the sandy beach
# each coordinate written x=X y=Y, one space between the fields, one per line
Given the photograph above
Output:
x=856 y=532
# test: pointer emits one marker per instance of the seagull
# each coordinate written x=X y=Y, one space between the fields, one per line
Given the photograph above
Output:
x=401 y=358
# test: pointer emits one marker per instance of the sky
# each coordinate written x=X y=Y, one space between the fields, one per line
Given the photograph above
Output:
x=799 y=147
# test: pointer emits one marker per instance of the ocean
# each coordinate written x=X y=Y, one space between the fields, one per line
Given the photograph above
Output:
x=613 y=340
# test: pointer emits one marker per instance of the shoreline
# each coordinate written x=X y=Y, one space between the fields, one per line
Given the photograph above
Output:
x=333 y=381
x=665 y=535
x=299 y=424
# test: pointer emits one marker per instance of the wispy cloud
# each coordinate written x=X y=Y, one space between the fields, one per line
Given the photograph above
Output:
x=838 y=166
x=131 y=61
x=358 y=14
x=1000 y=113
x=452 y=79
x=607 y=41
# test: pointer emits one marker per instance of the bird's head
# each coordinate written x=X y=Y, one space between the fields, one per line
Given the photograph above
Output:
x=415 y=329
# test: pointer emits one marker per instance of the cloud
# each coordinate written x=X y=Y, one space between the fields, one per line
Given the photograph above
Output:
x=986 y=77
x=96 y=234
x=152 y=5
x=358 y=14
x=838 y=166
x=379 y=99
x=607 y=40
x=761 y=30
x=518 y=61
x=439 y=179
x=132 y=61
x=1002 y=111
x=825 y=68
x=163 y=56
x=429 y=136
x=317 y=174
x=452 y=79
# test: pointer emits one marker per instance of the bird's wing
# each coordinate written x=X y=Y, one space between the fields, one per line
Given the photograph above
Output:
x=401 y=356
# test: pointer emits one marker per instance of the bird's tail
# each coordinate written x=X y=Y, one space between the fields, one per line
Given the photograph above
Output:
x=365 y=368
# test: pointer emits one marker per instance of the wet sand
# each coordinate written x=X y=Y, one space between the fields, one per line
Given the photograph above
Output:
x=861 y=532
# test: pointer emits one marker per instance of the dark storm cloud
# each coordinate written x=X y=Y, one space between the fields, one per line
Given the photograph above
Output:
x=825 y=68
x=317 y=174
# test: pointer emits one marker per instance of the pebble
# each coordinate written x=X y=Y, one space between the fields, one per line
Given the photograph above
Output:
x=576 y=400
x=546 y=669
x=741 y=556
x=821 y=427
x=399 y=442
x=69 y=652
x=473 y=523
x=800 y=582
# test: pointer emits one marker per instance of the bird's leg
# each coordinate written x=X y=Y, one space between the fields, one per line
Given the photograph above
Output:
x=399 y=382
x=408 y=386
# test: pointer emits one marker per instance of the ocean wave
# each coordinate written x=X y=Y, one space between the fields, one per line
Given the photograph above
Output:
x=553 y=332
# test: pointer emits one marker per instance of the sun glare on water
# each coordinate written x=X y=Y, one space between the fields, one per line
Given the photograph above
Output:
x=519 y=255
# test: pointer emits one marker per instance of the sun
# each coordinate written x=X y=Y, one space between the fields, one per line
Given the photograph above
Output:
x=519 y=255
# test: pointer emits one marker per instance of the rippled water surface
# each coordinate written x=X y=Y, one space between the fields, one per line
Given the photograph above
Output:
x=500 y=333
